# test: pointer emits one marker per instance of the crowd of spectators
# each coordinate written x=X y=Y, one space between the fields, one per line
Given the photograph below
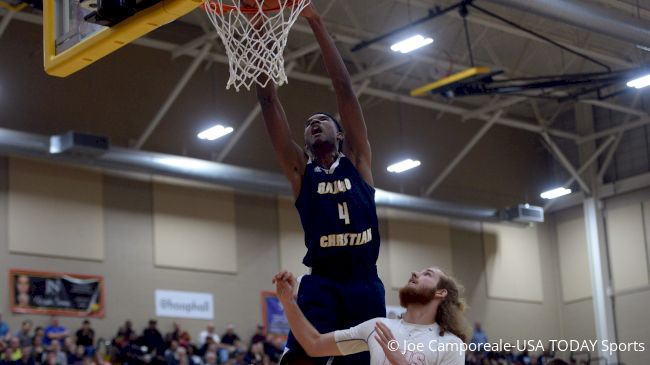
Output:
x=55 y=345
x=546 y=357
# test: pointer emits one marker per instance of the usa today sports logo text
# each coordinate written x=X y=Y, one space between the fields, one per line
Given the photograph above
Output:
x=520 y=345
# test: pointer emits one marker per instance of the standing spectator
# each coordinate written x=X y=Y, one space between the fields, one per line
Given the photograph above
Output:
x=86 y=337
x=208 y=332
x=152 y=338
x=4 y=329
x=259 y=335
x=54 y=332
x=479 y=337
x=24 y=333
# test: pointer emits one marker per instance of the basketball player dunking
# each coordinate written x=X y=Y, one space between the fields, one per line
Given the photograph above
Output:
x=333 y=187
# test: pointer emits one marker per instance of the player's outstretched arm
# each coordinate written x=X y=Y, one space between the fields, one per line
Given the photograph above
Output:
x=291 y=157
x=314 y=343
x=355 y=145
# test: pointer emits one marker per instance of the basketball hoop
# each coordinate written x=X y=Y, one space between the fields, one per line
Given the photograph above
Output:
x=254 y=37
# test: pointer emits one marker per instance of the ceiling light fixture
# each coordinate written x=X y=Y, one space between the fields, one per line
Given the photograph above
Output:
x=640 y=82
x=403 y=166
x=555 y=193
x=215 y=132
x=411 y=44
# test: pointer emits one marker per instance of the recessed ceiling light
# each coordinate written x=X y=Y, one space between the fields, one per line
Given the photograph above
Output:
x=215 y=132
x=555 y=193
x=403 y=166
x=411 y=44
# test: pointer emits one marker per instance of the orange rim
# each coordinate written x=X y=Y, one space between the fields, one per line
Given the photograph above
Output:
x=213 y=7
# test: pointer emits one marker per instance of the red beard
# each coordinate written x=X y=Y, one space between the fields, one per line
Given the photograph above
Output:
x=409 y=295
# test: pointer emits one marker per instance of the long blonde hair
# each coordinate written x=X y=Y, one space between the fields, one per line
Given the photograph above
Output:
x=450 y=311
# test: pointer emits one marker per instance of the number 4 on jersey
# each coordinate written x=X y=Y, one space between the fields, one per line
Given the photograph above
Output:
x=343 y=213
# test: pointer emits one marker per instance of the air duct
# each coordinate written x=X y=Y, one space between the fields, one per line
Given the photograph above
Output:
x=22 y=144
x=588 y=16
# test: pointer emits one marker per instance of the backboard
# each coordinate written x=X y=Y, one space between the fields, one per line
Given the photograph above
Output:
x=77 y=33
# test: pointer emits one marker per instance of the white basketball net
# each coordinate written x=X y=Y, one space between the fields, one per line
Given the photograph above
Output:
x=254 y=41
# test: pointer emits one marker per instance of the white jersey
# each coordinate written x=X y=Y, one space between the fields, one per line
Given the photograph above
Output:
x=420 y=344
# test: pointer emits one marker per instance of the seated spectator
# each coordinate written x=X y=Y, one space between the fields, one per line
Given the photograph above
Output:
x=6 y=355
x=170 y=353
x=24 y=333
x=259 y=335
x=100 y=359
x=193 y=357
x=39 y=332
x=4 y=329
x=54 y=332
x=229 y=342
x=557 y=362
x=208 y=332
x=78 y=356
x=14 y=347
x=52 y=358
x=26 y=357
x=185 y=340
x=209 y=345
x=38 y=350
x=175 y=334
x=61 y=357
x=86 y=337
x=274 y=349
x=181 y=356
x=210 y=358
x=70 y=350
x=256 y=355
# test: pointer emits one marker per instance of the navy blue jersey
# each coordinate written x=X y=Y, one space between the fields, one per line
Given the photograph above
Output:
x=338 y=214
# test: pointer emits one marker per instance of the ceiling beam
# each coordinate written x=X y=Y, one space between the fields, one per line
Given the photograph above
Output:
x=557 y=152
x=389 y=95
x=486 y=22
x=461 y=155
x=171 y=98
x=616 y=107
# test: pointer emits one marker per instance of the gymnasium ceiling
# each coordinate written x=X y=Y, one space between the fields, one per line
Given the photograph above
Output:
x=512 y=162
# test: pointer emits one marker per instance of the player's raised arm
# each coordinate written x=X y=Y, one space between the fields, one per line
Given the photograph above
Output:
x=355 y=144
x=313 y=342
x=291 y=157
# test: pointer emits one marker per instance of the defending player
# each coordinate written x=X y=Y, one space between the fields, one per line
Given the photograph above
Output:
x=431 y=332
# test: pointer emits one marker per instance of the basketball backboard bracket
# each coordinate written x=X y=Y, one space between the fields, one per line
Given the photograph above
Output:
x=71 y=43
